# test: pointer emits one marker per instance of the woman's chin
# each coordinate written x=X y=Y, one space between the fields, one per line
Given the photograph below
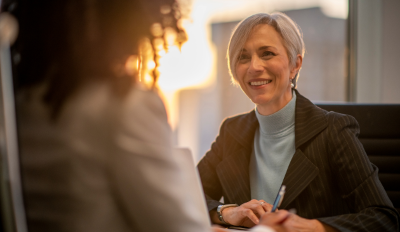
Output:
x=261 y=99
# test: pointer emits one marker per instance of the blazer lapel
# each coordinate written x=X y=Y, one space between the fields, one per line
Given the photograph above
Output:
x=309 y=122
x=243 y=128
x=233 y=170
x=300 y=173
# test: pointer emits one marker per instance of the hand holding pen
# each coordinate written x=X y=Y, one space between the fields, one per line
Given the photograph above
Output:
x=289 y=221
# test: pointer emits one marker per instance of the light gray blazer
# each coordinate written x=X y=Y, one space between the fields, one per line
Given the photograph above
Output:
x=104 y=165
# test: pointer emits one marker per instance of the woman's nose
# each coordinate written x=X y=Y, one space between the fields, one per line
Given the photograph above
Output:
x=255 y=65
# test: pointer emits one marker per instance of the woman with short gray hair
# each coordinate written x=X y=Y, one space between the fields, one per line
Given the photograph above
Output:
x=287 y=140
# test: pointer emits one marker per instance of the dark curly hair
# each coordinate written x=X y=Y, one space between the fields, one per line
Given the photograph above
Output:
x=65 y=43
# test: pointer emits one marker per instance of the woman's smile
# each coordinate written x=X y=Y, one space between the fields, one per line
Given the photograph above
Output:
x=259 y=83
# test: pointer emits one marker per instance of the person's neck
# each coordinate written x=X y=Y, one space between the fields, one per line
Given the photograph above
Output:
x=274 y=106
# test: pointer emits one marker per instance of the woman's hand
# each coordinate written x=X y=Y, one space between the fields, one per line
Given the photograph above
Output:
x=247 y=214
x=276 y=220
x=297 y=223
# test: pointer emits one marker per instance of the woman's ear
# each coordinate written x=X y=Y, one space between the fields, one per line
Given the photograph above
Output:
x=297 y=66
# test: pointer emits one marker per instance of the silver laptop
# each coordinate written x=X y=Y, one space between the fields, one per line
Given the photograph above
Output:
x=192 y=182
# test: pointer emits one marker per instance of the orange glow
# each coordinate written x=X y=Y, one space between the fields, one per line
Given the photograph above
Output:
x=132 y=65
x=187 y=67
x=148 y=79
x=146 y=63
x=151 y=65
x=156 y=30
x=158 y=44
x=170 y=36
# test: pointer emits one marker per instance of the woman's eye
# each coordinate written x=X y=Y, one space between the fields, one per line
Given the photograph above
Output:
x=267 y=53
x=243 y=57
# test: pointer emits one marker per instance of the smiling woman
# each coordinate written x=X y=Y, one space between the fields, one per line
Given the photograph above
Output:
x=287 y=140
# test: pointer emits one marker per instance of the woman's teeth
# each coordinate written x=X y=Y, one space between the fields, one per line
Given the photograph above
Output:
x=260 y=82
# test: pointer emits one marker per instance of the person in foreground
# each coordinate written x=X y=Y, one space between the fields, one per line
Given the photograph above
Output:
x=95 y=144
x=287 y=140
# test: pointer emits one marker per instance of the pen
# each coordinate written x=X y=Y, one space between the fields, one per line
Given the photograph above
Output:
x=279 y=198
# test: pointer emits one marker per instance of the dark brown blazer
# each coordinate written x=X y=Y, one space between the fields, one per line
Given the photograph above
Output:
x=329 y=178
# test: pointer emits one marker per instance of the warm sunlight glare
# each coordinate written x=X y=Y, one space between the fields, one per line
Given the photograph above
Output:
x=188 y=67
x=132 y=65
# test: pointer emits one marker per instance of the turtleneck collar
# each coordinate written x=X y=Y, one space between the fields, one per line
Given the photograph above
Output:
x=280 y=121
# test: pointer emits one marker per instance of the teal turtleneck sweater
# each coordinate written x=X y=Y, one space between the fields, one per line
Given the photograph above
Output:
x=274 y=147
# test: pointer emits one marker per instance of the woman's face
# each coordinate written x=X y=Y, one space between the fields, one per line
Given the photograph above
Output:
x=263 y=70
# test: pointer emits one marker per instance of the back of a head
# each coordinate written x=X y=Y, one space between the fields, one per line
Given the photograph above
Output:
x=66 y=42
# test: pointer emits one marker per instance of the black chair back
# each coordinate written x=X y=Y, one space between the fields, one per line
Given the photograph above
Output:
x=380 y=135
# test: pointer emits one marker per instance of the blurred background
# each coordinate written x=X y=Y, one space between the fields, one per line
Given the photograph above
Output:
x=351 y=56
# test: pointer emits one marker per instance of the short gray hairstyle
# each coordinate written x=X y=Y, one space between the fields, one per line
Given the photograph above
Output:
x=285 y=26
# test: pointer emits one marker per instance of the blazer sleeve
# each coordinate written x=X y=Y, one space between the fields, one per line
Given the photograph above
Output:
x=359 y=185
x=208 y=171
x=146 y=180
